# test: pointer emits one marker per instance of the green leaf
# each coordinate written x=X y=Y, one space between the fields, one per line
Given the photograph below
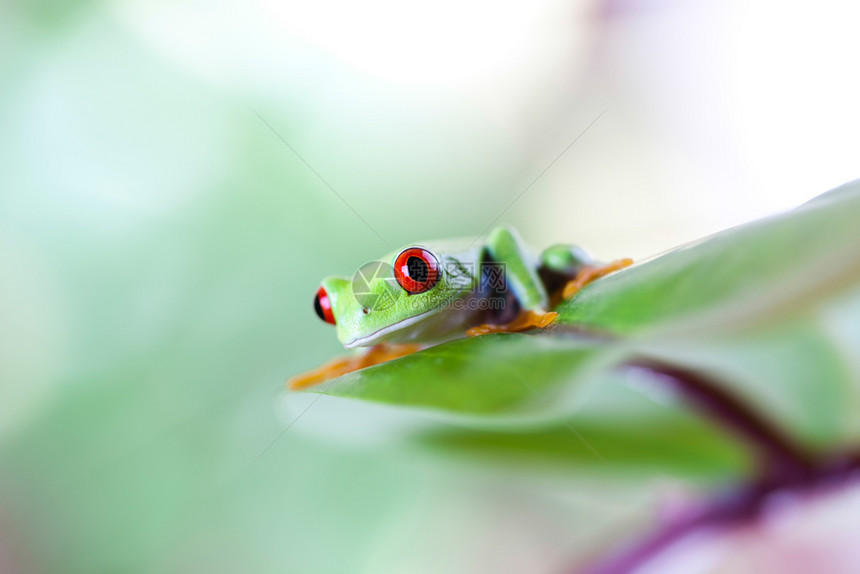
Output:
x=770 y=307
x=503 y=374
x=658 y=439
x=760 y=271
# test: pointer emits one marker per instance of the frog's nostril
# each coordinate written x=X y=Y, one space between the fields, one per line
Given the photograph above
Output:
x=322 y=305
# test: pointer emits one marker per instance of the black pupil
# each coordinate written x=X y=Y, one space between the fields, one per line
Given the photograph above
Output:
x=318 y=307
x=418 y=269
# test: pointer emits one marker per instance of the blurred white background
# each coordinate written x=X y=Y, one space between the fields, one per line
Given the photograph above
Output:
x=716 y=112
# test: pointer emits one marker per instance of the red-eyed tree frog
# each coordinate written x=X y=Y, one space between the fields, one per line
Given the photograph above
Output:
x=434 y=291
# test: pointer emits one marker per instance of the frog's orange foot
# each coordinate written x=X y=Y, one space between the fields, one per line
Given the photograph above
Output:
x=372 y=356
x=589 y=273
x=524 y=321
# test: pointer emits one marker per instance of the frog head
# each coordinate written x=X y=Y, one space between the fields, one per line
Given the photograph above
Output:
x=397 y=297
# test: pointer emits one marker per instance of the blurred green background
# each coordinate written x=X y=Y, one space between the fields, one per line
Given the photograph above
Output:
x=160 y=246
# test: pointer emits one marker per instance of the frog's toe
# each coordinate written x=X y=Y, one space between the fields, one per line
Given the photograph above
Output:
x=384 y=352
x=330 y=370
x=591 y=273
x=374 y=355
x=524 y=321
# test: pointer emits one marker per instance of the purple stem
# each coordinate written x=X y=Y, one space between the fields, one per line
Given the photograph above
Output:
x=785 y=464
x=742 y=505
x=782 y=459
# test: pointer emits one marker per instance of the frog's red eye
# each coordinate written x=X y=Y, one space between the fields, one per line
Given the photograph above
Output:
x=416 y=269
x=322 y=305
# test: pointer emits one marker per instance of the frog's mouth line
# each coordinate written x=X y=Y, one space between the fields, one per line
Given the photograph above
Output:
x=374 y=337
